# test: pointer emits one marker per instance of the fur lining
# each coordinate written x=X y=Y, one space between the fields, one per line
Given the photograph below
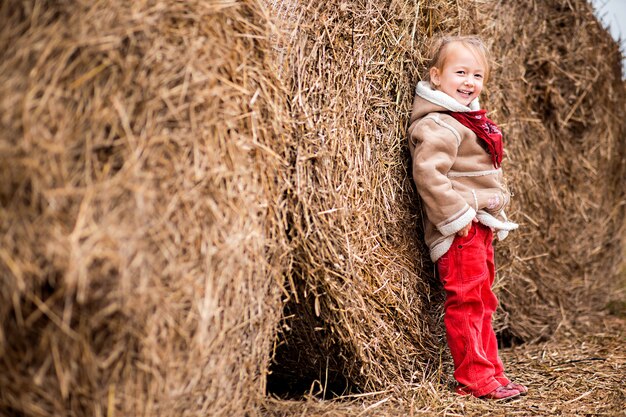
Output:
x=502 y=234
x=488 y=220
x=440 y=249
x=501 y=228
x=456 y=225
x=425 y=91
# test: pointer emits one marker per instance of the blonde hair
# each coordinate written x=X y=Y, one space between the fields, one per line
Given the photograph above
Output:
x=439 y=47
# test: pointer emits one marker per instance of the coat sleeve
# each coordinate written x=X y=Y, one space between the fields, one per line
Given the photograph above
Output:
x=434 y=146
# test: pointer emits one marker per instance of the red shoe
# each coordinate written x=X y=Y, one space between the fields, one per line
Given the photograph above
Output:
x=501 y=393
x=522 y=389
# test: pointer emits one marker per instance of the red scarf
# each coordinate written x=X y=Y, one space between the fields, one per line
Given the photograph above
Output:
x=485 y=129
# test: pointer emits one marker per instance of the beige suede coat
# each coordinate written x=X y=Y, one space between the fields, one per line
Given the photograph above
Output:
x=454 y=175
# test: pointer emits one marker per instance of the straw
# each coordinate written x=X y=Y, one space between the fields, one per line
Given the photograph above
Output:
x=208 y=205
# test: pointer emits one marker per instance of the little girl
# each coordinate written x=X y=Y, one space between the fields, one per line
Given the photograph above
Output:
x=456 y=152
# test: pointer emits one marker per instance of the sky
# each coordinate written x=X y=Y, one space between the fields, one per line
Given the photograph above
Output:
x=613 y=14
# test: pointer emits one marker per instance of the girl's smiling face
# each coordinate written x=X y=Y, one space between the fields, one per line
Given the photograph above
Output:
x=462 y=74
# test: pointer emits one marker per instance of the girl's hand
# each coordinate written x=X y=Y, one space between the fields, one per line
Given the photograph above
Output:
x=465 y=231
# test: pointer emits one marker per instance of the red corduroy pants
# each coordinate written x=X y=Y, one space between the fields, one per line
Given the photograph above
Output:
x=467 y=271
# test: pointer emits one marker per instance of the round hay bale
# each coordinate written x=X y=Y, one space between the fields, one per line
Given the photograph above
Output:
x=365 y=311
x=142 y=239
x=560 y=98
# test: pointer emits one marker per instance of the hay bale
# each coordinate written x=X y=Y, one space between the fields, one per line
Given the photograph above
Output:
x=560 y=97
x=142 y=242
x=365 y=310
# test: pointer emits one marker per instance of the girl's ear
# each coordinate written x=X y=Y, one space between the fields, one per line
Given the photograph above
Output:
x=434 y=77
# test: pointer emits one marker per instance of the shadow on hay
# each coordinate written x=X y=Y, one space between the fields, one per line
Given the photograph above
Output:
x=303 y=363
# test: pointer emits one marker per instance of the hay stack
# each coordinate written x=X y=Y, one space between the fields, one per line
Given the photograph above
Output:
x=561 y=99
x=363 y=312
x=170 y=171
x=143 y=244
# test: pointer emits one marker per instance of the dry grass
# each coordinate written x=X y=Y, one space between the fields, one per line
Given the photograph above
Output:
x=192 y=190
